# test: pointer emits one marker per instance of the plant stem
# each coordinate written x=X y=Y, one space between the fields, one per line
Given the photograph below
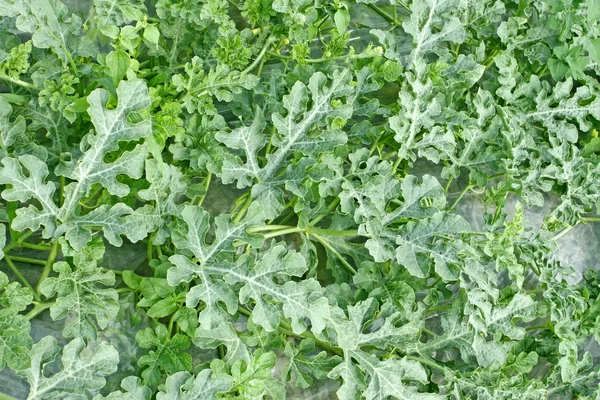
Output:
x=25 y=282
x=590 y=219
x=439 y=308
x=256 y=229
x=149 y=250
x=427 y=331
x=460 y=196
x=447 y=185
x=61 y=191
x=332 y=232
x=284 y=325
x=171 y=323
x=309 y=60
x=385 y=15
x=206 y=185
x=27 y=260
x=284 y=229
x=283 y=232
x=563 y=232
x=19 y=82
x=243 y=209
x=17 y=243
x=268 y=43
x=335 y=252
x=396 y=164
x=37 y=309
x=531 y=328
x=426 y=362
x=47 y=267
x=330 y=208
x=6 y=397
x=36 y=246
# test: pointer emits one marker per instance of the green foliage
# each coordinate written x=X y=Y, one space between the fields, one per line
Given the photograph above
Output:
x=249 y=198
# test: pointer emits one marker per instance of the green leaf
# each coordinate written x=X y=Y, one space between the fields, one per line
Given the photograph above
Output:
x=303 y=366
x=152 y=34
x=226 y=335
x=219 y=254
x=593 y=10
x=199 y=87
x=206 y=385
x=118 y=12
x=112 y=127
x=250 y=140
x=342 y=19
x=254 y=379
x=9 y=132
x=117 y=63
x=50 y=23
x=133 y=390
x=15 y=341
x=299 y=300
x=2 y=240
x=167 y=358
x=425 y=15
x=80 y=296
x=83 y=369
x=24 y=188
x=556 y=110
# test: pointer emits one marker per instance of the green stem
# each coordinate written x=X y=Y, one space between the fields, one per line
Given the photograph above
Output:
x=590 y=219
x=256 y=229
x=427 y=362
x=17 y=243
x=427 y=331
x=37 y=309
x=447 y=185
x=243 y=209
x=27 y=260
x=584 y=220
x=206 y=185
x=6 y=397
x=285 y=229
x=75 y=70
x=396 y=164
x=330 y=208
x=238 y=202
x=439 y=308
x=460 y=196
x=532 y=328
x=150 y=248
x=309 y=60
x=171 y=323
x=61 y=191
x=384 y=14
x=268 y=43
x=332 y=232
x=25 y=282
x=284 y=325
x=36 y=246
x=328 y=246
x=564 y=232
x=19 y=82
x=283 y=232
x=47 y=267
x=535 y=270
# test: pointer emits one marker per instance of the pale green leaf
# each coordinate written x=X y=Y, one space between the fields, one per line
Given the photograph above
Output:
x=83 y=369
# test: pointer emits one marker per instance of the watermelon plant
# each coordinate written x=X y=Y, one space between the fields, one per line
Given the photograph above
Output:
x=250 y=199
